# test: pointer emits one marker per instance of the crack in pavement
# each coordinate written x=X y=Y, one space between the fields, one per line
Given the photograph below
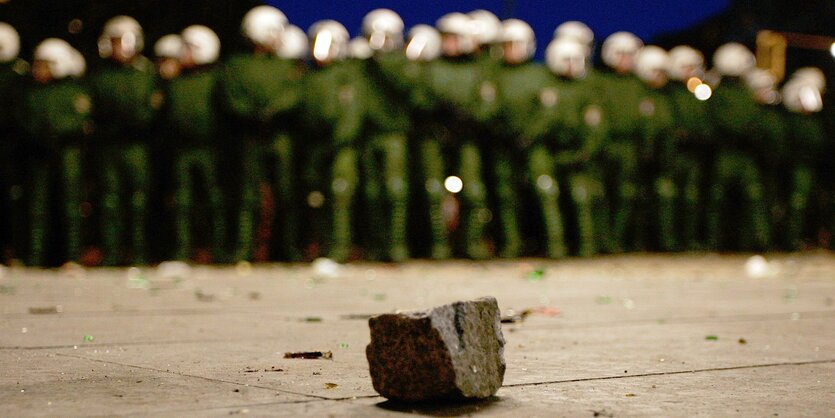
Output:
x=210 y=379
x=714 y=369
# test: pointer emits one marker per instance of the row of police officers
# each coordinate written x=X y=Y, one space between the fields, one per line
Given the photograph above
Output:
x=319 y=143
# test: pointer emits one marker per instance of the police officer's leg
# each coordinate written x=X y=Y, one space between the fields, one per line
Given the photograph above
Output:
x=343 y=187
x=628 y=191
x=666 y=192
x=72 y=201
x=184 y=201
x=209 y=164
x=507 y=201
x=589 y=198
x=690 y=175
x=722 y=176
x=798 y=202
x=433 y=165
x=139 y=169
x=396 y=176
x=249 y=200
x=373 y=188
x=541 y=169
x=39 y=211
x=475 y=201
x=287 y=196
x=755 y=194
x=111 y=210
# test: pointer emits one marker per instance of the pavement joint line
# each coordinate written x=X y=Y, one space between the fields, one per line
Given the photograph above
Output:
x=714 y=369
x=668 y=321
x=210 y=379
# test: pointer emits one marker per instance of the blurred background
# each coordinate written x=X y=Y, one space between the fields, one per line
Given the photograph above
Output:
x=703 y=24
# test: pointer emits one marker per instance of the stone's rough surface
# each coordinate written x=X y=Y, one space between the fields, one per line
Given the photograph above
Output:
x=449 y=352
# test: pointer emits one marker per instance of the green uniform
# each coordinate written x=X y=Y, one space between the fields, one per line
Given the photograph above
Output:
x=562 y=127
x=12 y=213
x=806 y=139
x=366 y=130
x=622 y=153
x=658 y=156
x=465 y=99
x=55 y=117
x=263 y=95
x=405 y=78
x=192 y=116
x=690 y=163
x=739 y=142
x=127 y=100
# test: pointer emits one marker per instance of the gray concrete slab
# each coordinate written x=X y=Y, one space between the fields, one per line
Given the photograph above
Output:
x=614 y=327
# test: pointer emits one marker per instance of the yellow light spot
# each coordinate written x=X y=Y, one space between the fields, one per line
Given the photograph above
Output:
x=453 y=184
x=703 y=92
x=692 y=83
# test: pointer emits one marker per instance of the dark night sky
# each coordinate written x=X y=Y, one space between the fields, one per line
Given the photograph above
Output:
x=645 y=18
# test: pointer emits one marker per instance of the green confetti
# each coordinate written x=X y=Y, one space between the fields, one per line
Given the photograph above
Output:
x=536 y=275
x=343 y=345
x=379 y=297
x=88 y=338
x=313 y=319
x=604 y=300
x=712 y=338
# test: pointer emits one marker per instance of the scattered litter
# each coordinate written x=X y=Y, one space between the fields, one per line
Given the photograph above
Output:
x=326 y=268
x=88 y=338
x=204 y=297
x=630 y=395
x=310 y=355
x=273 y=369
x=757 y=267
x=236 y=390
x=343 y=345
x=603 y=413
x=254 y=295
x=330 y=385
x=46 y=310
x=536 y=274
x=312 y=319
x=711 y=338
x=243 y=268
x=512 y=317
x=357 y=317
x=743 y=341
x=249 y=370
x=379 y=297
x=604 y=300
x=243 y=411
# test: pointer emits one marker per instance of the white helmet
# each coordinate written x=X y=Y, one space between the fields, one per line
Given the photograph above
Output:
x=567 y=57
x=294 y=44
x=263 y=25
x=359 y=48
x=575 y=30
x=519 y=32
x=79 y=64
x=125 y=28
x=485 y=27
x=685 y=62
x=9 y=42
x=330 y=40
x=424 y=43
x=460 y=26
x=384 y=29
x=169 y=46
x=203 y=44
x=733 y=60
x=800 y=96
x=651 y=64
x=619 y=44
x=763 y=84
x=59 y=55
x=811 y=75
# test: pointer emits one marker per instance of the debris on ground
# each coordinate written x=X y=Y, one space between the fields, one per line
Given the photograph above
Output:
x=330 y=385
x=254 y=295
x=511 y=316
x=757 y=267
x=743 y=341
x=273 y=369
x=204 y=297
x=46 y=310
x=88 y=338
x=536 y=275
x=312 y=319
x=343 y=345
x=630 y=395
x=453 y=351
x=604 y=300
x=7 y=290
x=711 y=338
x=310 y=355
x=325 y=268
x=357 y=317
